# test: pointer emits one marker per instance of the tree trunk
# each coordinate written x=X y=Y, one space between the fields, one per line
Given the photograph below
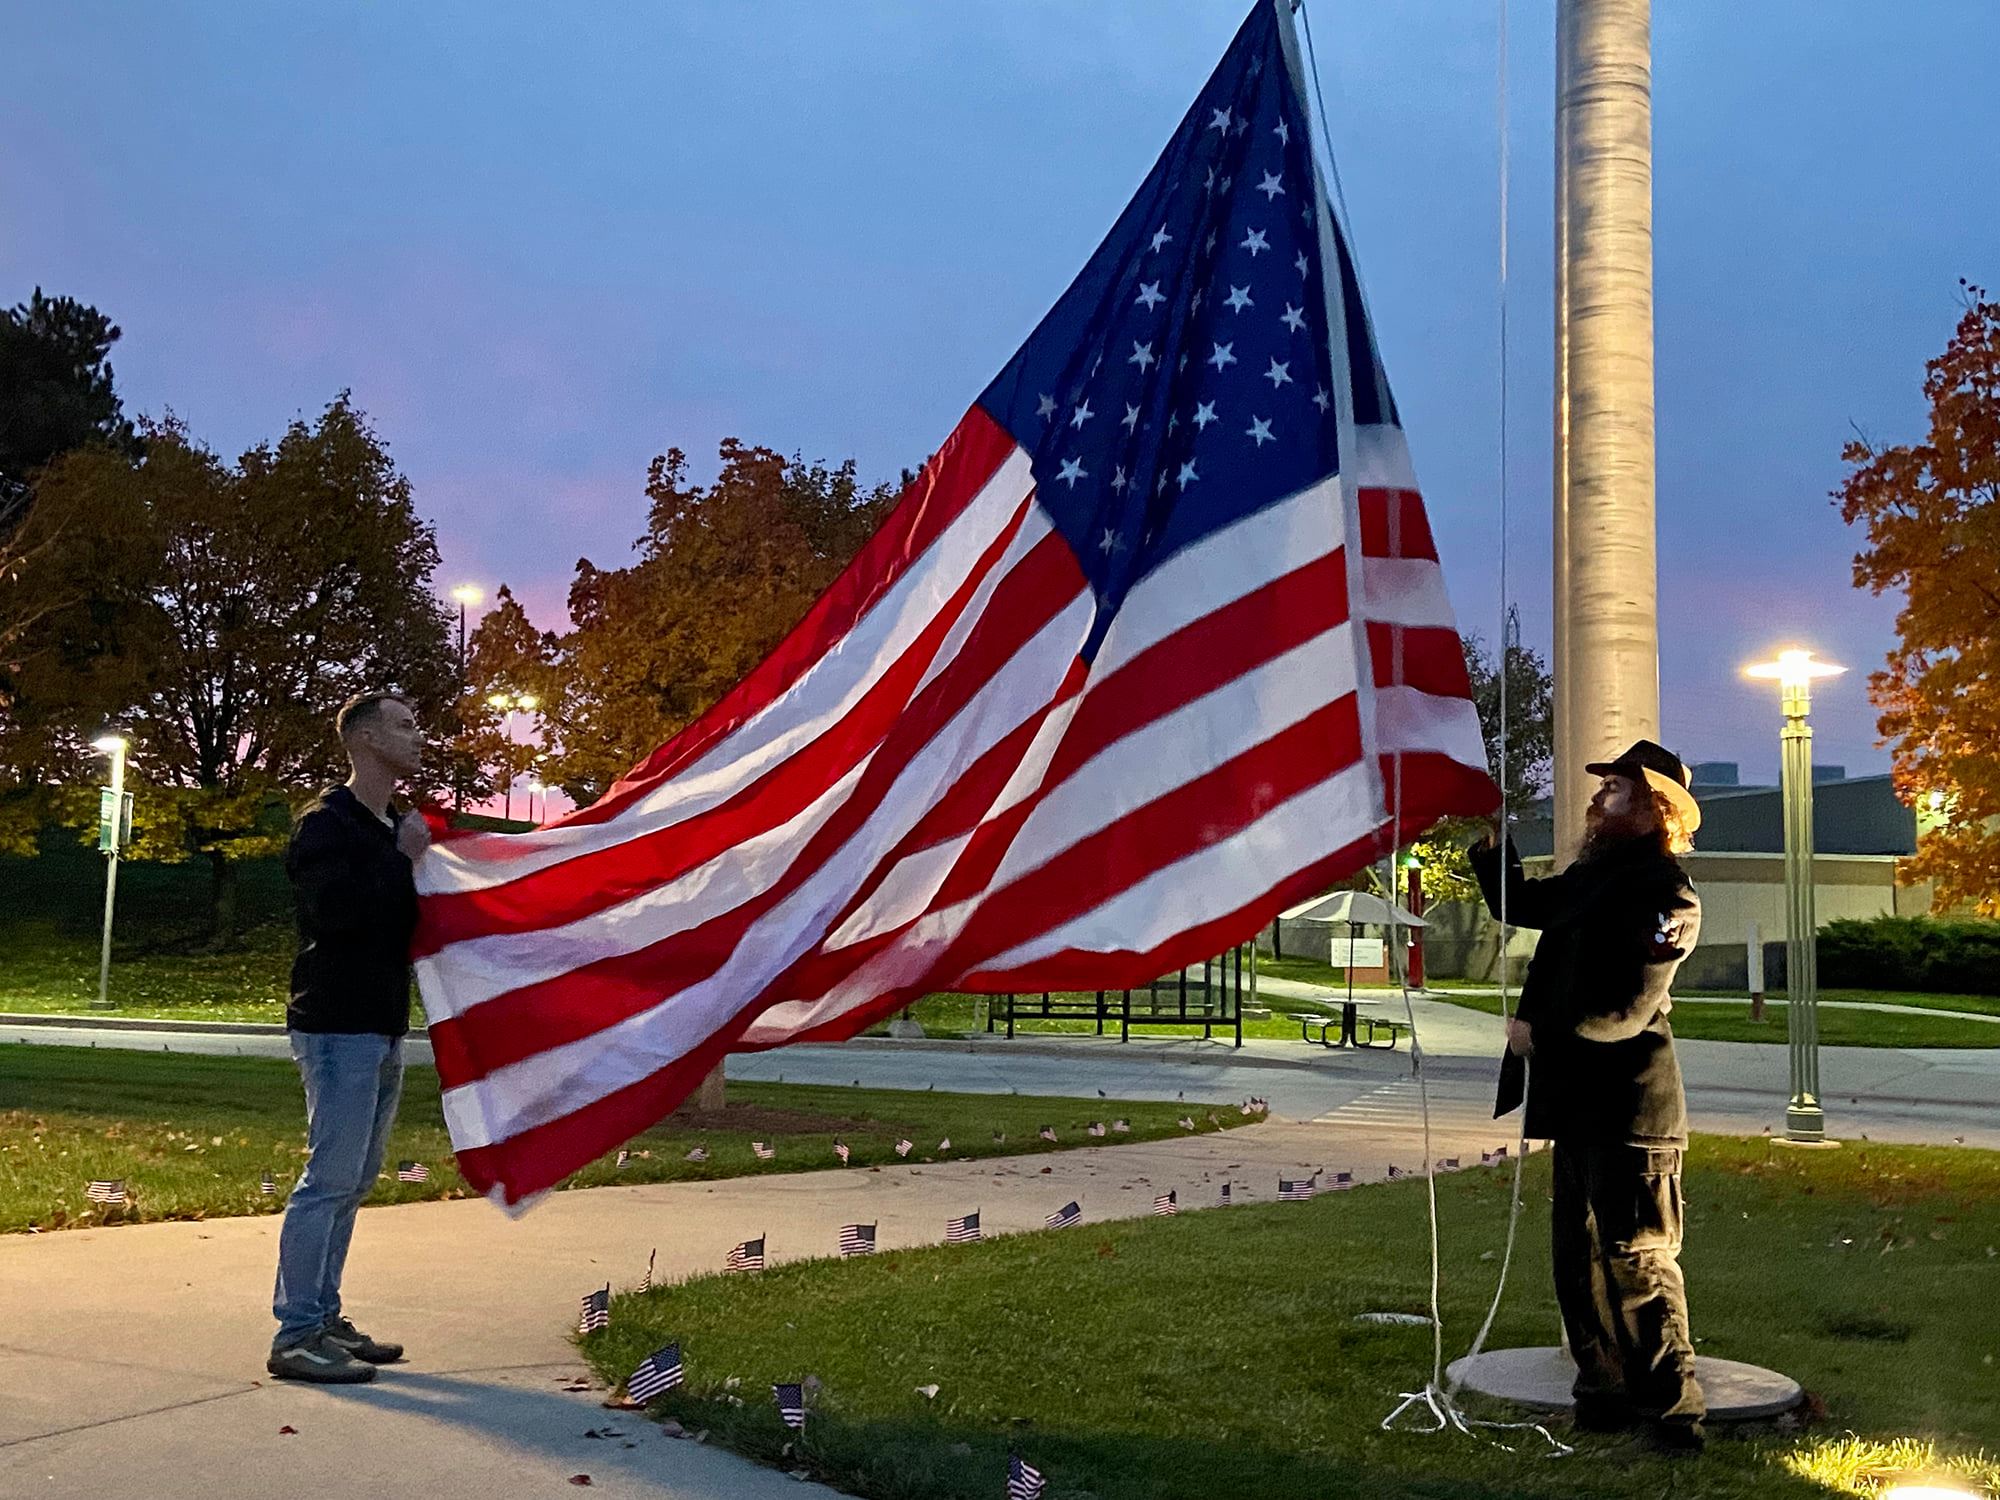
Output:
x=221 y=901
x=1606 y=620
x=708 y=1098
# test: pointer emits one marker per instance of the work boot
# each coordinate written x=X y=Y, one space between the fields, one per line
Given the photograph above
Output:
x=318 y=1361
x=1603 y=1414
x=342 y=1333
x=1676 y=1439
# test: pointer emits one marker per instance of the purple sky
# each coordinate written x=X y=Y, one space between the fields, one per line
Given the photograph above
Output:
x=542 y=246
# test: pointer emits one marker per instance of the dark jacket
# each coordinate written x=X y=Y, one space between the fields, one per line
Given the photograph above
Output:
x=357 y=910
x=1614 y=931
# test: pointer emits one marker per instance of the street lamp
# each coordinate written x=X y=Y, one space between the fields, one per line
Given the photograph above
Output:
x=1794 y=672
x=113 y=828
x=469 y=596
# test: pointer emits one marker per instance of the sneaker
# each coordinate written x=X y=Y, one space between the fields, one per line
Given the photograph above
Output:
x=342 y=1333
x=320 y=1362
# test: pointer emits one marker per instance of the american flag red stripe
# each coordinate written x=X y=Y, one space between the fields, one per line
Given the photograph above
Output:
x=993 y=755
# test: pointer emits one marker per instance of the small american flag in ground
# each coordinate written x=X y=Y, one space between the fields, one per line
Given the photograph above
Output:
x=105 y=1190
x=412 y=1171
x=1096 y=1128
x=962 y=1231
x=840 y=1150
x=1167 y=1203
x=1293 y=1189
x=999 y=1137
x=646 y=1281
x=1342 y=1181
x=1047 y=1132
x=857 y=1239
x=1070 y=1213
x=904 y=1148
x=1187 y=1122
x=748 y=1256
x=596 y=1311
x=268 y=1185
x=699 y=1154
x=1228 y=1195
x=1121 y=1127
x=1447 y=1164
x=1024 y=1480
x=1162 y=615
x=763 y=1150
x=944 y=1145
x=623 y=1157
x=791 y=1401
x=1488 y=1158
x=659 y=1371
x=1396 y=1173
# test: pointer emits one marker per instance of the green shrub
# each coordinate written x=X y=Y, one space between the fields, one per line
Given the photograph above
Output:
x=1921 y=954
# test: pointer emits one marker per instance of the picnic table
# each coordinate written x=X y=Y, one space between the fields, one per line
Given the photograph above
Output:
x=1350 y=1020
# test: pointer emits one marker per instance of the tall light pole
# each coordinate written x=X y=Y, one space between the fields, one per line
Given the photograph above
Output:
x=1607 y=671
x=1794 y=672
x=469 y=596
x=111 y=832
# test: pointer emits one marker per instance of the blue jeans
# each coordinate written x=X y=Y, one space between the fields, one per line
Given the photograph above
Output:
x=353 y=1083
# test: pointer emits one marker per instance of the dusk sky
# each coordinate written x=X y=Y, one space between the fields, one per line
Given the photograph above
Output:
x=542 y=245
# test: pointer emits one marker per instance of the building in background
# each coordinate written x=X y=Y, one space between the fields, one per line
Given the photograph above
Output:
x=1861 y=832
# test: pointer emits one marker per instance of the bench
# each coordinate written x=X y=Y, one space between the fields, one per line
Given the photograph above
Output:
x=1349 y=1022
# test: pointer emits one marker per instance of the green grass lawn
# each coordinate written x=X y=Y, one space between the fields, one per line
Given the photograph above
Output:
x=1157 y=1359
x=193 y=1135
x=1837 y=1028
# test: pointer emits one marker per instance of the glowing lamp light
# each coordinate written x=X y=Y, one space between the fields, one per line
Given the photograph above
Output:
x=1794 y=669
x=528 y=702
x=108 y=744
x=499 y=700
x=471 y=595
x=1926 y=1492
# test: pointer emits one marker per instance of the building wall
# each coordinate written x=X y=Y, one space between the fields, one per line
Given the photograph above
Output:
x=1736 y=890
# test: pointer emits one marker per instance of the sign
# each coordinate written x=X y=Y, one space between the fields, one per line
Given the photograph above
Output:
x=113 y=835
x=1356 y=953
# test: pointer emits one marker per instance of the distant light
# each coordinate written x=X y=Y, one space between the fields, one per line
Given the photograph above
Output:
x=471 y=595
x=499 y=700
x=1926 y=1492
x=528 y=701
x=1937 y=801
x=1794 y=668
x=108 y=744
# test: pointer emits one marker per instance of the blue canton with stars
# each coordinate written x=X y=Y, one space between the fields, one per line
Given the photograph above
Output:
x=1183 y=380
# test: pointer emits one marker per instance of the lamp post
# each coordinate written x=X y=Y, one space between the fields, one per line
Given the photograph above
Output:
x=469 y=596
x=1415 y=902
x=507 y=703
x=1794 y=672
x=111 y=831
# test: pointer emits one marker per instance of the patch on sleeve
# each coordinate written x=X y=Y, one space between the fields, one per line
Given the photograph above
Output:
x=1667 y=934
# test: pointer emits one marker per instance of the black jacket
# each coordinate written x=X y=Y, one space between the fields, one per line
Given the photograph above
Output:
x=357 y=910
x=1614 y=932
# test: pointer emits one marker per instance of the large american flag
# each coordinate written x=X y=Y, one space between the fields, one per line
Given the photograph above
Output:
x=1155 y=646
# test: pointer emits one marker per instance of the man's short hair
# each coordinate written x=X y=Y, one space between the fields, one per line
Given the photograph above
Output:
x=363 y=708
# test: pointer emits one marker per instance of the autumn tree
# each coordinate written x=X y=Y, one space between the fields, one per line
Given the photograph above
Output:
x=56 y=392
x=249 y=602
x=723 y=572
x=1931 y=514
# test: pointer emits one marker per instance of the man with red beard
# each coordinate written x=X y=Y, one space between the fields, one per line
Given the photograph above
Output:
x=1591 y=1048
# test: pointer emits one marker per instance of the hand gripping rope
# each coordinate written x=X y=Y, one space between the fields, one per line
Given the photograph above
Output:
x=1438 y=1400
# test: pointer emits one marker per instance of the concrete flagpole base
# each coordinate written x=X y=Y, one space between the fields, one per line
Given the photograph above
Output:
x=1541 y=1378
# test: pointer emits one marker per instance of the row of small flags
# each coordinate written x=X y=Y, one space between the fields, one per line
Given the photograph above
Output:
x=663 y=1370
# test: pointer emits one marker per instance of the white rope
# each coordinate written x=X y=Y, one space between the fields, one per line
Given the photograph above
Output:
x=1437 y=1399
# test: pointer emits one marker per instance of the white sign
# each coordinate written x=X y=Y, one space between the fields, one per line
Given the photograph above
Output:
x=1356 y=953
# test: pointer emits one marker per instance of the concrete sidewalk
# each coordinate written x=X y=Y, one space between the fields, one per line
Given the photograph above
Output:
x=131 y=1361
